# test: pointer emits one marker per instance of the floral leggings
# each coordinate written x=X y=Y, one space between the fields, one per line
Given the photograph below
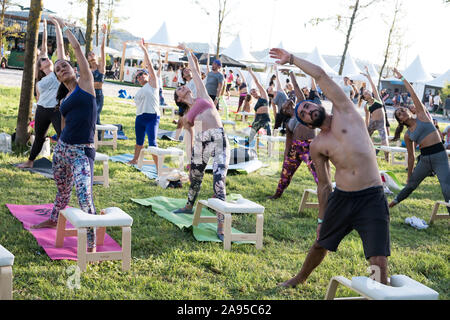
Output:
x=74 y=164
x=298 y=152
x=210 y=143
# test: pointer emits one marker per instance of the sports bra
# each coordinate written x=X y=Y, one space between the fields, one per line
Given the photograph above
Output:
x=375 y=106
x=98 y=76
x=422 y=130
x=261 y=103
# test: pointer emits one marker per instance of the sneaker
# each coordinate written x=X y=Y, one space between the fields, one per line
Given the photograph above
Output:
x=183 y=210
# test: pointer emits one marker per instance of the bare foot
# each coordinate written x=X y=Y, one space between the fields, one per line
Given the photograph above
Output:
x=274 y=197
x=27 y=164
x=46 y=224
x=291 y=283
x=132 y=162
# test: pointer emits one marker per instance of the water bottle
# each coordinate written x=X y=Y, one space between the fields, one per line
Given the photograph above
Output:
x=5 y=143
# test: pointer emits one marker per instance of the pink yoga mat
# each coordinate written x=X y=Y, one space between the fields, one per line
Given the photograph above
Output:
x=31 y=215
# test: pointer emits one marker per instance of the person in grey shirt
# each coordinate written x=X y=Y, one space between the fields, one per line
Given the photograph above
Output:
x=214 y=82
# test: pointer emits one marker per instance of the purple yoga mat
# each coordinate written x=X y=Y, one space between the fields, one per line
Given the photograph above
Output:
x=34 y=214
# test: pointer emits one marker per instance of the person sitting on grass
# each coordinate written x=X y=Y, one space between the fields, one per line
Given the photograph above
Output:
x=433 y=157
x=358 y=200
x=210 y=141
x=148 y=109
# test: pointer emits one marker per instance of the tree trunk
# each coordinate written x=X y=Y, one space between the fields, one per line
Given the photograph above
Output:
x=389 y=42
x=89 y=23
x=26 y=92
x=222 y=12
x=97 y=17
x=2 y=19
x=347 y=40
x=109 y=21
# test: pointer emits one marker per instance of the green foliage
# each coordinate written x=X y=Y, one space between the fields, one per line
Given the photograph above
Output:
x=168 y=263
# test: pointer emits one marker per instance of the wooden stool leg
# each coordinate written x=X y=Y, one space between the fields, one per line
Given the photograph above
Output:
x=82 y=247
x=101 y=232
x=259 y=231
x=140 y=161
x=331 y=291
x=96 y=139
x=60 y=231
x=126 y=248
x=227 y=232
x=435 y=211
x=197 y=214
x=304 y=200
x=6 y=283
x=105 y=174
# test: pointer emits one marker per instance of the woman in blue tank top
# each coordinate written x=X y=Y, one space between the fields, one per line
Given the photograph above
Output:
x=433 y=158
x=98 y=68
x=73 y=157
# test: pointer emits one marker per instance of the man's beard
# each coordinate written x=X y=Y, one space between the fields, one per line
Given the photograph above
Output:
x=316 y=123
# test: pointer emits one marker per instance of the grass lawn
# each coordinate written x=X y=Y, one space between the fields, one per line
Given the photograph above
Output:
x=170 y=264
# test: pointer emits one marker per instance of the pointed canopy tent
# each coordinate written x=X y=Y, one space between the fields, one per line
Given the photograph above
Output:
x=316 y=58
x=441 y=81
x=350 y=69
x=113 y=52
x=226 y=61
x=373 y=72
x=267 y=59
x=134 y=53
x=416 y=72
x=162 y=36
x=237 y=51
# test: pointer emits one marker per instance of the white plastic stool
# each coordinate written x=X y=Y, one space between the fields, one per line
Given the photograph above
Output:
x=105 y=176
x=228 y=208
x=401 y=288
x=110 y=217
x=6 y=275
x=161 y=154
x=271 y=142
x=393 y=151
x=103 y=142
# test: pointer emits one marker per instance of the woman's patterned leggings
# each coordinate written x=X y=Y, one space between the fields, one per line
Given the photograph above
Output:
x=74 y=164
x=298 y=152
x=209 y=143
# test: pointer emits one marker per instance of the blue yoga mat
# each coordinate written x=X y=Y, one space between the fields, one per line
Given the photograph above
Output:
x=148 y=169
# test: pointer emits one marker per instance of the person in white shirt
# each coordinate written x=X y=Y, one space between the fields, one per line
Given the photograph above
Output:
x=446 y=134
x=436 y=102
x=147 y=108
x=347 y=88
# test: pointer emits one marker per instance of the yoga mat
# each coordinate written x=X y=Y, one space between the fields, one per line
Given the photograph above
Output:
x=120 y=135
x=148 y=169
x=163 y=207
x=42 y=166
x=168 y=135
x=33 y=214
x=243 y=167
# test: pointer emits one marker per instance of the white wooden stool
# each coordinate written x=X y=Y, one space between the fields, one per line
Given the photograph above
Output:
x=228 y=208
x=109 y=217
x=230 y=123
x=105 y=176
x=103 y=142
x=6 y=275
x=171 y=108
x=304 y=203
x=392 y=151
x=272 y=141
x=400 y=288
x=438 y=216
x=161 y=154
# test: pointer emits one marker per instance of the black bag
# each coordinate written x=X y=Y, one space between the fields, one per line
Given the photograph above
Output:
x=239 y=155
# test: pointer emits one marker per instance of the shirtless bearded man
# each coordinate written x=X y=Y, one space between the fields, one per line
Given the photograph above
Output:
x=358 y=201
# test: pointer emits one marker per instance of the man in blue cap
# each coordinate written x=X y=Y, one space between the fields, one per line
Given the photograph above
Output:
x=215 y=82
x=358 y=201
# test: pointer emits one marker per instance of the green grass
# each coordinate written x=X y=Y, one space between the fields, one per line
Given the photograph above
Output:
x=169 y=264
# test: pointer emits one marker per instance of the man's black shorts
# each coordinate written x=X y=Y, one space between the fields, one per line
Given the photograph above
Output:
x=366 y=211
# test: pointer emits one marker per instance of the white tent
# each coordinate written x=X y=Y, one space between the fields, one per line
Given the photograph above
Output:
x=115 y=53
x=134 y=53
x=373 y=72
x=316 y=58
x=267 y=59
x=440 y=81
x=237 y=51
x=162 y=36
x=416 y=72
x=350 y=69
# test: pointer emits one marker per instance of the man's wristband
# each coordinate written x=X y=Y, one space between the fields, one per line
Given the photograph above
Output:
x=291 y=59
x=65 y=29
x=319 y=221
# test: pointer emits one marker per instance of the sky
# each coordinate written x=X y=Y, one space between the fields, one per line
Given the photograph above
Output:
x=265 y=23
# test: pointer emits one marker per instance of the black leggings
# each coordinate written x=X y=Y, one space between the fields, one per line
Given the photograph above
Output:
x=43 y=118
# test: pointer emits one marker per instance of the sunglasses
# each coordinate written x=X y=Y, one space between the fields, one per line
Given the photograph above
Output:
x=43 y=59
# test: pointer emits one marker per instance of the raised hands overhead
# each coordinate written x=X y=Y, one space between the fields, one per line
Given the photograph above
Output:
x=281 y=55
x=397 y=74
